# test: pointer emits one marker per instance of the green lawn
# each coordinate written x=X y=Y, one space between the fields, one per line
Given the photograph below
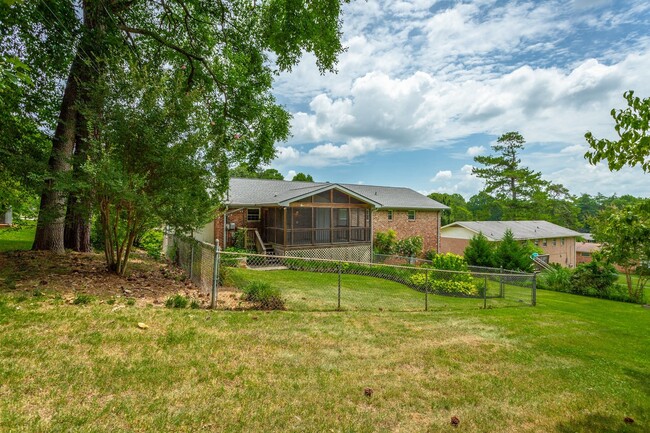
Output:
x=571 y=364
x=20 y=239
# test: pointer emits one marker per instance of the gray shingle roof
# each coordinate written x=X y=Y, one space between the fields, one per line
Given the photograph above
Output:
x=521 y=230
x=260 y=192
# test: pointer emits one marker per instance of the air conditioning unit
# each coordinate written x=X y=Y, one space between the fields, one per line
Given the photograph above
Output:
x=231 y=226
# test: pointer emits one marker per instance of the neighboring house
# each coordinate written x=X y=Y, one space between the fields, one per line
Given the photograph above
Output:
x=6 y=218
x=326 y=220
x=585 y=251
x=556 y=241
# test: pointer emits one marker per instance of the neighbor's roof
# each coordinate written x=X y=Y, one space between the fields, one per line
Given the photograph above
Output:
x=587 y=247
x=521 y=230
x=265 y=192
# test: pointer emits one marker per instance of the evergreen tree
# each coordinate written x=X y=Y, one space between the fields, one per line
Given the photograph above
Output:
x=510 y=254
x=480 y=251
x=506 y=179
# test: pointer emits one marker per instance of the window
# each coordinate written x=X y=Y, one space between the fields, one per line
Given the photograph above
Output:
x=554 y=242
x=544 y=242
x=562 y=241
x=411 y=215
x=253 y=214
x=390 y=215
x=585 y=254
x=536 y=242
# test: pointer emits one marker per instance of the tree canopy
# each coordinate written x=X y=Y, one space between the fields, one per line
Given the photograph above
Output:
x=302 y=177
x=632 y=127
x=210 y=66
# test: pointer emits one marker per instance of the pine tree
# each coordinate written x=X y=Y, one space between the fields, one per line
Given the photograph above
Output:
x=480 y=252
x=506 y=179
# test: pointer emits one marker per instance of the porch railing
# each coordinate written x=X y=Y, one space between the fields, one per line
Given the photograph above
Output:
x=314 y=236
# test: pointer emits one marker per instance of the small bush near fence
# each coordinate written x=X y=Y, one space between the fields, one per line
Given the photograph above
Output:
x=263 y=296
x=595 y=279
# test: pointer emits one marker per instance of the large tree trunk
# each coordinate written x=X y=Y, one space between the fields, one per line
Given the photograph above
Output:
x=51 y=215
x=77 y=219
x=70 y=138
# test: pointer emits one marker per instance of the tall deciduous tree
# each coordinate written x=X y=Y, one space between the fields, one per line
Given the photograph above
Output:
x=633 y=130
x=505 y=178
x=457 y=211
x=302 y=177
x=625 y=234
x=227 y=51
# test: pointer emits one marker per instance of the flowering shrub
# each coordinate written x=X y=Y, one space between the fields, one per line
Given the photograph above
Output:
x=449 y=262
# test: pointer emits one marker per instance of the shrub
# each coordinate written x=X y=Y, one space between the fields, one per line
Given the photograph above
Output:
x=594 y=276
x=130 y=301
x=385 y=242
x=429 y=255
x=176 y=301
x=151 y=242
x=510 y=254
x=480 y=251
x=410 y=247
x=466 y=288
x=449 y=262
x=195 y=304
x=558 y=280
x=263 y=295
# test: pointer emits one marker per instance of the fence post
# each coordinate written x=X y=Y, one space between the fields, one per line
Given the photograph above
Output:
x=485 y=292
x=426 y=291
x=215 y=276
x=192 y=261
x=338 y=303
x=534 y=294
x=502 y=293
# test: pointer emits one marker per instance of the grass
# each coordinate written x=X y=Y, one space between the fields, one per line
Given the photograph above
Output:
x=571 y=364
x=17 y=239
x=311 y=291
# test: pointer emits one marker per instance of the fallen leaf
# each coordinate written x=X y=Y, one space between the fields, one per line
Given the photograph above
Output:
x=143 y=325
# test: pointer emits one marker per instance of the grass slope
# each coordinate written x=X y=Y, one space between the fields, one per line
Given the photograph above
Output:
x=572 y=364
x=20 y=239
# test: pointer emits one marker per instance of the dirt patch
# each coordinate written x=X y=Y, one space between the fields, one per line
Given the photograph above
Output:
x=72 y=274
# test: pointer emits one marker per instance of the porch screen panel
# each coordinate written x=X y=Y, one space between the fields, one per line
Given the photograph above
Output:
x=323 y=225
x=341 y=232
x=302 y=226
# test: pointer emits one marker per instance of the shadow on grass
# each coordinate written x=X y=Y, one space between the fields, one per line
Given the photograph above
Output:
x=598 y=423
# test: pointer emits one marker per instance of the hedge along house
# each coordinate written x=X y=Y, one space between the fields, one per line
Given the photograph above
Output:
x=558 y=242
x=322 y=220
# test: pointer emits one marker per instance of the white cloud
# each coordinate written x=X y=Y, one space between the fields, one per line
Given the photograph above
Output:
x=428 y=74
x=290 y=174
x=475 y=150
x=443 y=174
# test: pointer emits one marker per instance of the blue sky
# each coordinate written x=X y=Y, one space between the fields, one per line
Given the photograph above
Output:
x=426 y=85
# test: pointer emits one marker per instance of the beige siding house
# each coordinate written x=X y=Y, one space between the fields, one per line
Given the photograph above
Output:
x=558 y=242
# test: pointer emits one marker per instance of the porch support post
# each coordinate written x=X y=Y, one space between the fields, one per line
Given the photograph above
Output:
x=284 y=223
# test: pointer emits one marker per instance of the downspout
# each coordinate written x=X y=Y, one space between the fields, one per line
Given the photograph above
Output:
x=438 y=234
x=372 y=237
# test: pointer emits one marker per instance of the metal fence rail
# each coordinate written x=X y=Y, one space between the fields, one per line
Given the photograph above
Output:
x=496 y=286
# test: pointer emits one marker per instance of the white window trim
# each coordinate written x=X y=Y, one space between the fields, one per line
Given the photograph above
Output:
x=407 y=215
x=390 y=215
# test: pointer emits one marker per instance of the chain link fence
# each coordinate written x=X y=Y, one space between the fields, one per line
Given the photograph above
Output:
x=389 y=283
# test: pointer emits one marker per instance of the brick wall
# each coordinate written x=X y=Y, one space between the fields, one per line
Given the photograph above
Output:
x=426 y=224
x=453 y=245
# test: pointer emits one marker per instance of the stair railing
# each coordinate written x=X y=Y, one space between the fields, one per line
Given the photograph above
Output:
x=259 y=244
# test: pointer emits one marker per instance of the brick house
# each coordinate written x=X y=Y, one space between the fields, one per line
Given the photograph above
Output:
x=558 y=242
x=317 y=219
